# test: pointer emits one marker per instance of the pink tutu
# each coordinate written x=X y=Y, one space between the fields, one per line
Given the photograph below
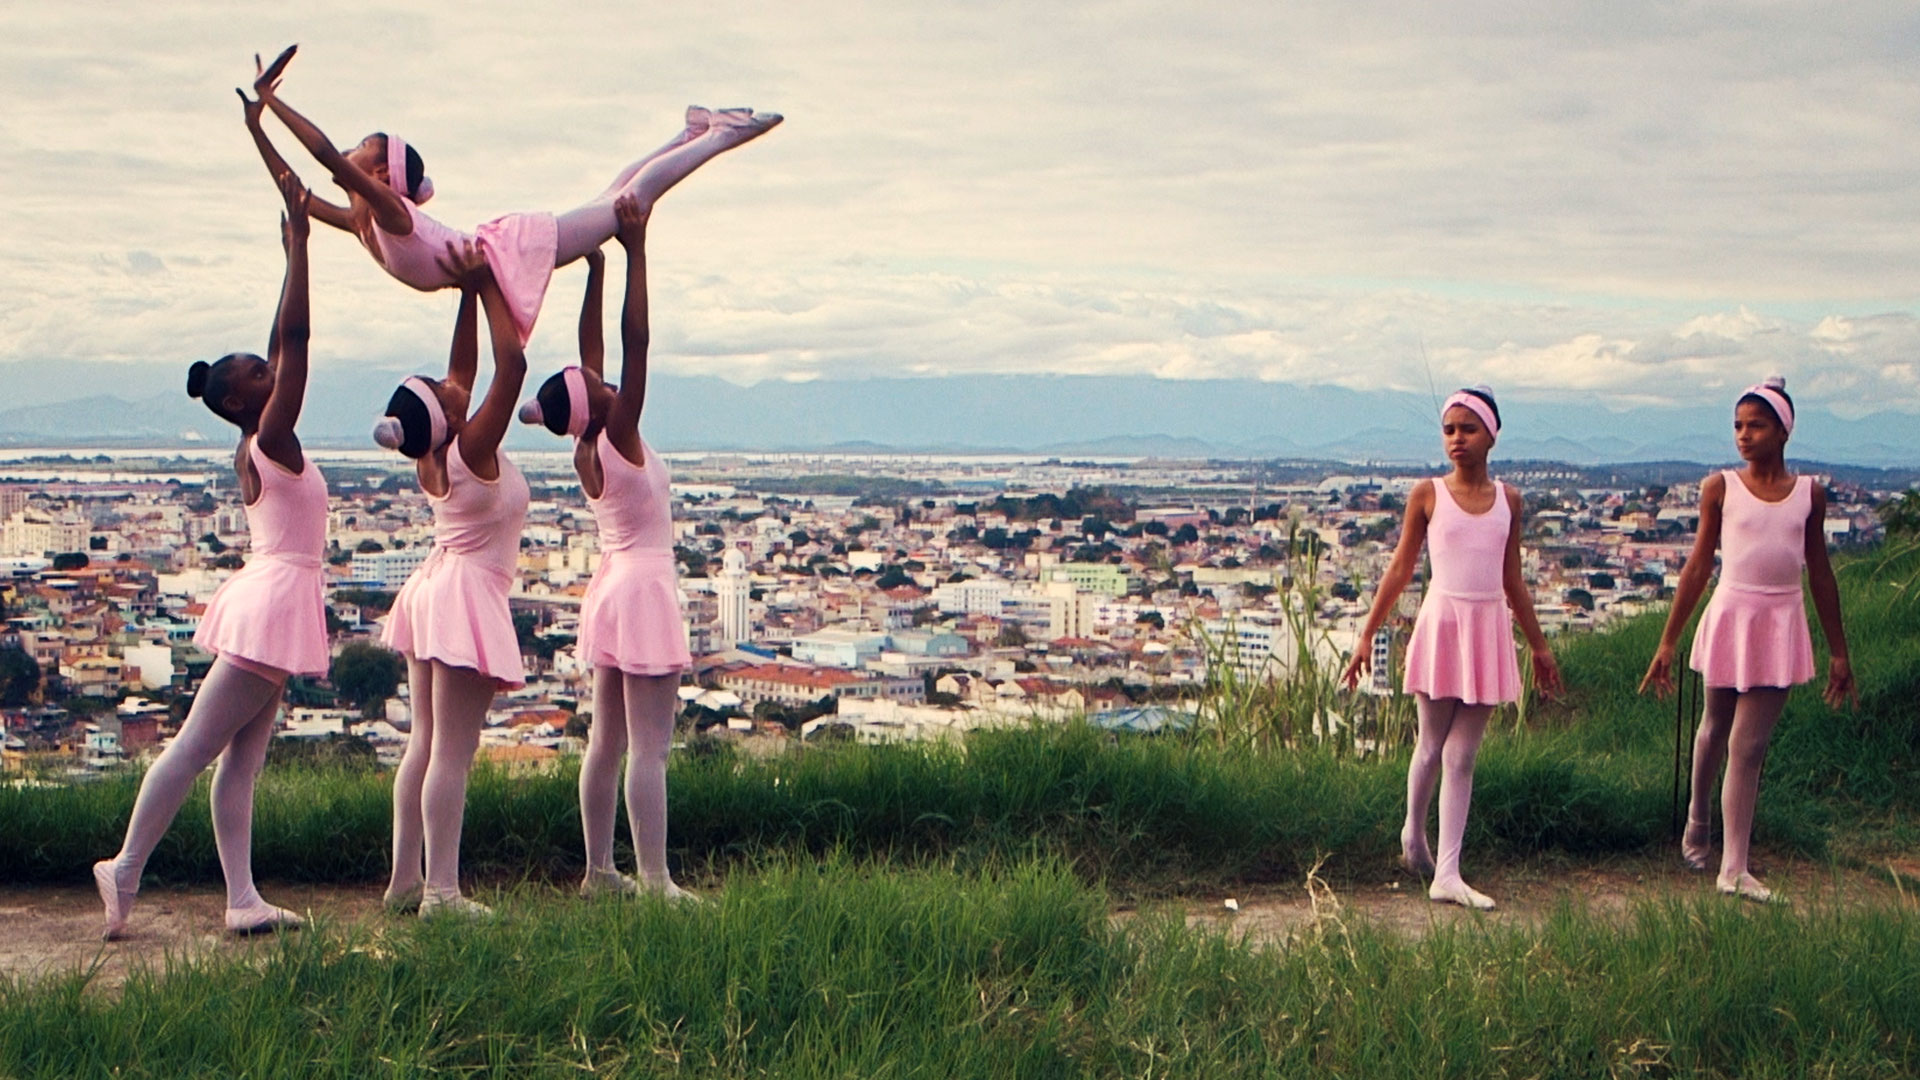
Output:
x=271 y=614
x=1752 y=637
x=454 y=610
x=631 y=618
x=1462 y=647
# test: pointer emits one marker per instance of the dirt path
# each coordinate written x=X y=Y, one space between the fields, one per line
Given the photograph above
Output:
x=55 y=930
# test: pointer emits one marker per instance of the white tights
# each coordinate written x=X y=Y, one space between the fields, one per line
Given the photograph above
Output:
x=1735 y=728
x=231 y=720
x=632 y=715
x=430 y=787
x=1444 y=752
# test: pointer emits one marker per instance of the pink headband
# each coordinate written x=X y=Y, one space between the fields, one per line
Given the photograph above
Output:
x=1769 y=392
x=1479 y=406
x=397 y=172
x=577 y=413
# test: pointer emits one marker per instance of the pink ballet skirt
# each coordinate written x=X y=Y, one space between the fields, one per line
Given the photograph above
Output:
x=520 y=250
x=454 y=607
x=633 y=618
x=1754 y=630
x=272 y=613
x=1462 y=645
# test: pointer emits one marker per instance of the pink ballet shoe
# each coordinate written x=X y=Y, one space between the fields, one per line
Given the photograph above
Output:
x=674 y=894
x=1696 y=845
x=263 y=918
x=608 y=883
x=744 y=123
x=699 y=119
x=404 y=902
x=118 y=901
x=1459 y=892
x=432 y=904
x=1747 y=887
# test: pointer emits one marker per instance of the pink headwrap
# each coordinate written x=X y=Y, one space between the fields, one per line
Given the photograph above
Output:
x=577 y=413
x=1769 y=392
x=1479 y=406
x=397 y=172
x=389 y=432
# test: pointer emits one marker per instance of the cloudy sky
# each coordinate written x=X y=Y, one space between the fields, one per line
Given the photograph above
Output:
x=1634 y=201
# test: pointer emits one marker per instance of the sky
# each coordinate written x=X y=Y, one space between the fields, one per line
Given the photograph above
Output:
x=1627 y=202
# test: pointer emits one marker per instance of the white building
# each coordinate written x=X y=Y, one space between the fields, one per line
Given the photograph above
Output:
x=731 y=588
x=837 y=647
x=977 y=596
x=388 y=567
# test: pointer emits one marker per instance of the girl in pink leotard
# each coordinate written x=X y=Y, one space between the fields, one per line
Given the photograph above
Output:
x=1752 y=643
x=451 y=620
x=1460 y=660
x=632 y=631
x=386 y=183
x=265 y=623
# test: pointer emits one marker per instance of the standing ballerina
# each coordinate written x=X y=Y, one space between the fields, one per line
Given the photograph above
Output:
x=1752 y=644
x=451 y=620
x=631 y=629
x=385 y=181
x=263 y=624
x=1460 y=661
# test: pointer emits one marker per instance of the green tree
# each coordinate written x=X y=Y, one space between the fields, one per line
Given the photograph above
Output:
x=19 y=677
x=70 y=560
x=367 y=675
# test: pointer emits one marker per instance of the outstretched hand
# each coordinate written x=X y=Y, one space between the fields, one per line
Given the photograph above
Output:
x=631 y=217
x=1659 y=676
x=1546 y=675
x=266 y=79
x=294 y=223
x=1362 y=661
x=465 y=263
x=1841 y=689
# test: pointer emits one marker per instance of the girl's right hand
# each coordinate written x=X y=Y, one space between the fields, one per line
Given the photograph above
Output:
x=295 y=224
x=266 y=80
x=1659 y=673
x=632 y=219
x=1362 y=662
x=465 y=263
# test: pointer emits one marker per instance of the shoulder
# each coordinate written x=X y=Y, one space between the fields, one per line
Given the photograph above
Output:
x=1714 y=486
x=1515 y=501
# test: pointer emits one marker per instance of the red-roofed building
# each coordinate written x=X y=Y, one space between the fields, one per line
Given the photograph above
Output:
x=793 y=684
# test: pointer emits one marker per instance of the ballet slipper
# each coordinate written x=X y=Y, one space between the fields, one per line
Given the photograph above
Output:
x=117 y=901
x=1696 y=844
x=744 y=121
x=263 y=918
x=1747 y=887
x=1459 y=892
x=699 y=118
x=404 y=902
x=434 y=904
x=608 y=883
x=674 y=894
x=1416 y=860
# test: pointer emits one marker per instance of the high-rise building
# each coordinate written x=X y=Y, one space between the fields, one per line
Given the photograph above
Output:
x=731 y=589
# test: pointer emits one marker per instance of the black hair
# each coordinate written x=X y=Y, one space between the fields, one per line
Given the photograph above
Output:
x=416 y=167
x=556 y=409
x=1758 y=400
x=416 y=424
x=209 y=383
x=1486 y=396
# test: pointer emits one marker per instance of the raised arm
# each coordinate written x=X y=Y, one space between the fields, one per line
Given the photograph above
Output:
x=593 y=345
x=1546 y=672
x=277 y=166
x=1826 y=604
x=388 y=210
x=623 y=419
x=463 y=356
x=287 y=345
x=1693 y=582
x=1406 y=558
x=481 y=437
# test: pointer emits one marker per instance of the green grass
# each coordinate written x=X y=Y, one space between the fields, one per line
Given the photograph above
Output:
x=835 y=969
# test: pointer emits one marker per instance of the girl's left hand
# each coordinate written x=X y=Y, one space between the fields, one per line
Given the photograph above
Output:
x=295 y=222
x=1546 y=674
x=266 y=79
x=1840 y=687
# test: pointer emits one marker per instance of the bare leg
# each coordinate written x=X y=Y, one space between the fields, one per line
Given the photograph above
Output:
x=233 y=782
x=1754 y=717
x=1709 y=751
x=409 y=871
x=651 y=704
x=460 y=700
x=1423 y=772
x=600 y=777
x=587 y=227
x=230 y=697
x=1456 y=795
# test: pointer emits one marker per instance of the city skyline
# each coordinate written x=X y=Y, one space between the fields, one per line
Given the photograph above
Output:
x=1629 y=205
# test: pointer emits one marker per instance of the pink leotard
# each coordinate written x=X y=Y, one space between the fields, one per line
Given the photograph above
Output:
x=1754 y=630
x=520 y=250
x=273 y=612
x=631 y=618
x=1462 y=644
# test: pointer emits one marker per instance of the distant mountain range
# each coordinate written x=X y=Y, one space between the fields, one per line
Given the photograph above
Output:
x=107 y=404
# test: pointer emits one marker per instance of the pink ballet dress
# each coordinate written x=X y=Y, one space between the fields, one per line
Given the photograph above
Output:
x=454 y=607
x=1462 y=644
x=1754 y=631
x=520 y=250
x=272 y=614
x=632 y=616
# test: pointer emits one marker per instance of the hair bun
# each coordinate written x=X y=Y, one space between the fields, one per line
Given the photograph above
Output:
x=531 y=413
x=388 y=433
x=1483 y=388
x=197 y=378
x=423 y=191
x=1774 y=382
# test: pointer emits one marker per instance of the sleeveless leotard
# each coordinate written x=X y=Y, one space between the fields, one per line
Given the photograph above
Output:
x=520 y=251
x=272 y=613
x=1462 y=644
x=1754 y=630
x=632 y=618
